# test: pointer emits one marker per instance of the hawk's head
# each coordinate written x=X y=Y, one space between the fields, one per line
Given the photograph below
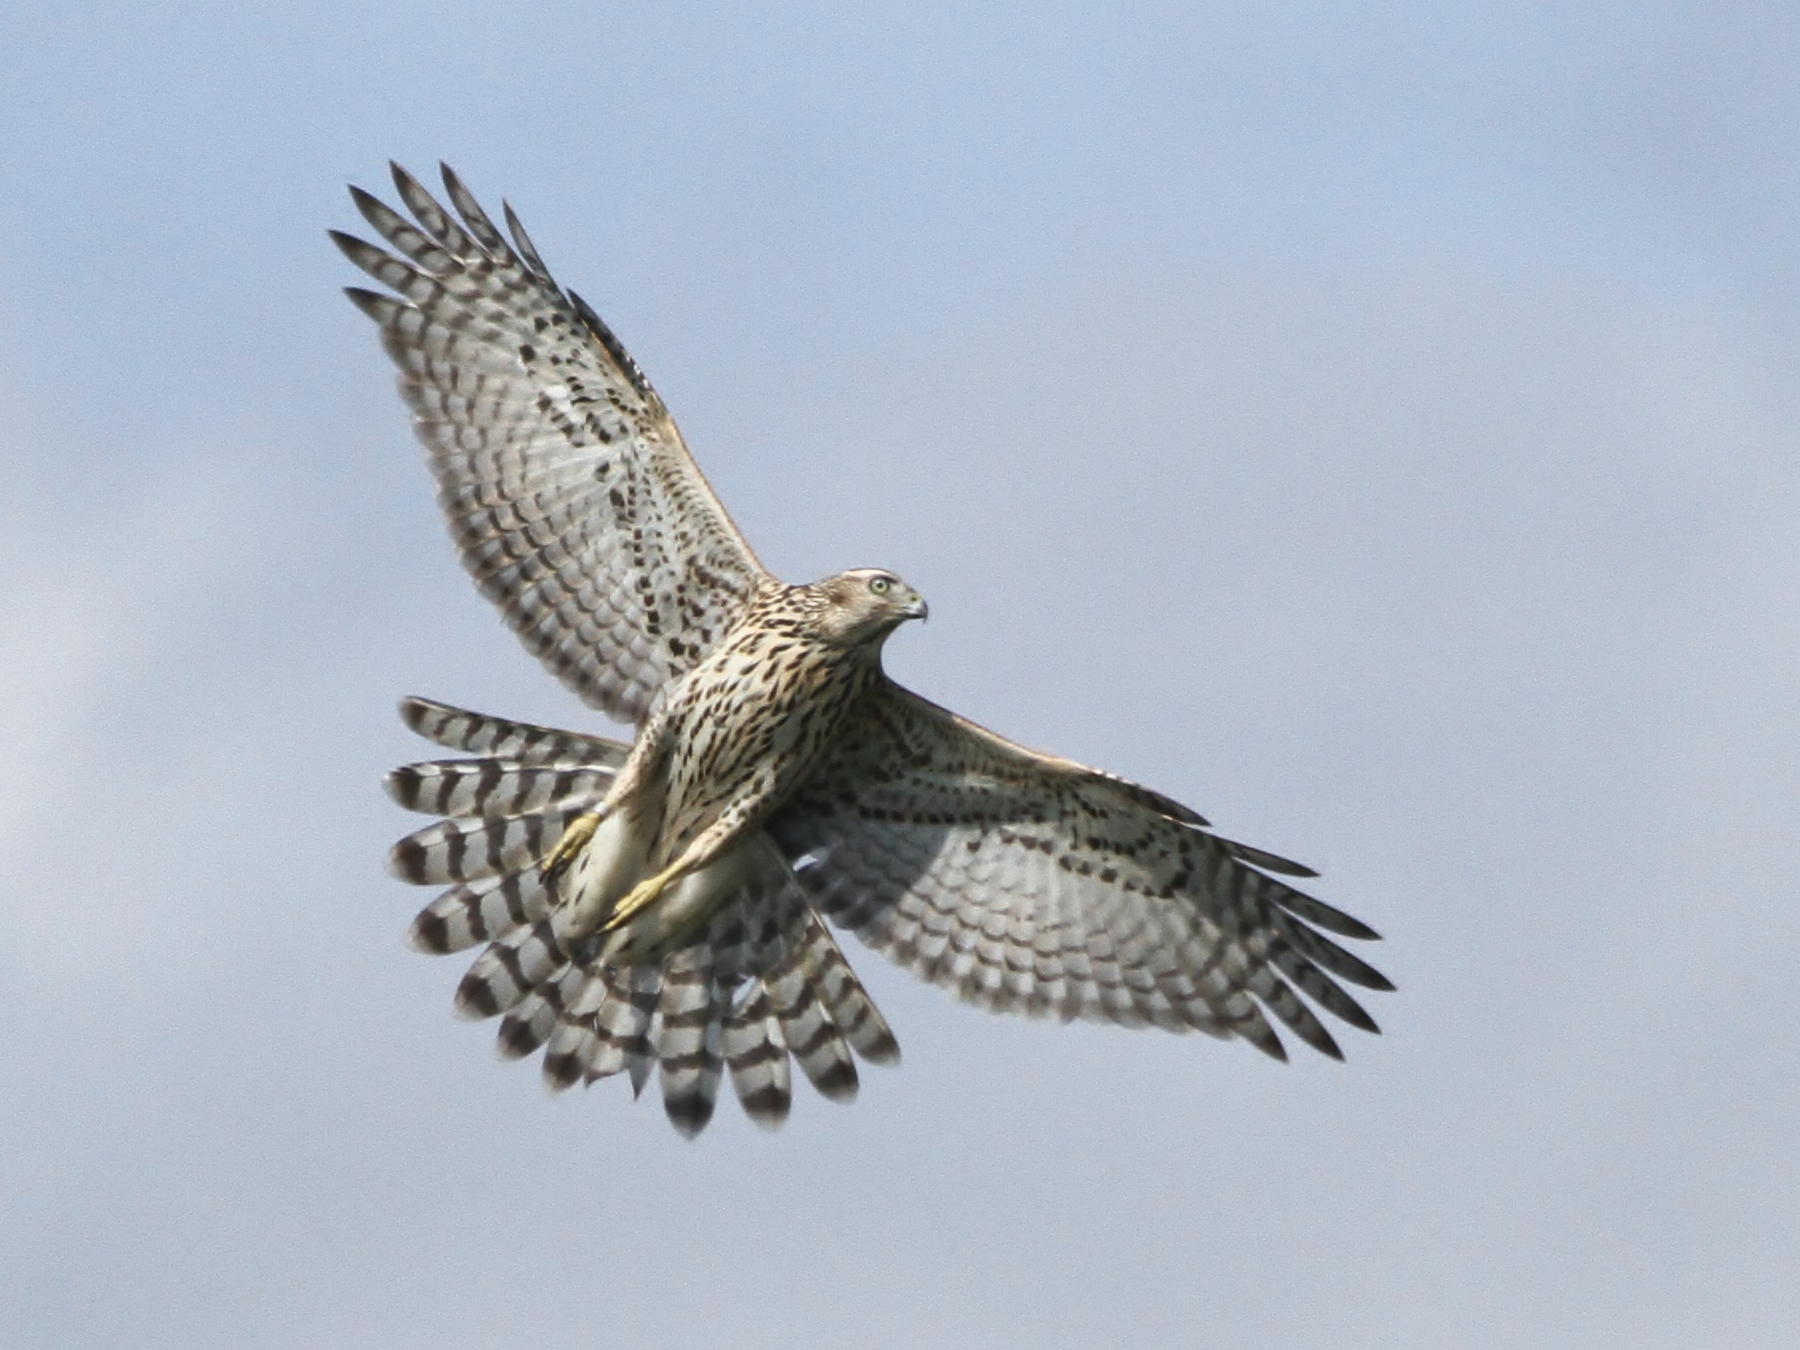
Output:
x=865 y=604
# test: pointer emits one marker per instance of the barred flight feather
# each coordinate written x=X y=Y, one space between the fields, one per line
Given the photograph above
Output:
x=842 y=994
x=764 y=979
x=550 y=448
x=476 y=847
x=479 y=911
x=755 y=1049
x=496 y=787
x=687 y=1041
x=809 y=1031
x=497 y=738
x=1026 y=884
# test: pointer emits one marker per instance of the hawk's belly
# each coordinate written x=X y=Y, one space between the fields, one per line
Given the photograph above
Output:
x=616 y=859
x=600 y=875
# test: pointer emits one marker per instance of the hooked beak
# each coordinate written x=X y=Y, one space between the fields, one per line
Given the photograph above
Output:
x=918 y=608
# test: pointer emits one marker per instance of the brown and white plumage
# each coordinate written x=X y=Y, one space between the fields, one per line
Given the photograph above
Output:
x=569 y=493
x=656 y=906
x=763 y=979
x=1031 y=884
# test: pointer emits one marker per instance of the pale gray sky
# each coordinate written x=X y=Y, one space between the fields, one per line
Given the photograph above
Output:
x=1373 y=424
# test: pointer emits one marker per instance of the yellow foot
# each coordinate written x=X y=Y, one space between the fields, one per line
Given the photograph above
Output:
x=574 y=839
x=638 y=898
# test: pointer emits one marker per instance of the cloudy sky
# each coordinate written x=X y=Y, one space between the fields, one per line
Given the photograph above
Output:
x=1374 y=424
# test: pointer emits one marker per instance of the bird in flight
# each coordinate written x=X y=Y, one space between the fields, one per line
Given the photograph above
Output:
x=658 y=906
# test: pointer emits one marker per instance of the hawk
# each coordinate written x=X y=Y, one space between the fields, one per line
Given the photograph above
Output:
x=657 y=905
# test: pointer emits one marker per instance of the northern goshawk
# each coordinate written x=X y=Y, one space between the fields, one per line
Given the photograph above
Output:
x=657 y=905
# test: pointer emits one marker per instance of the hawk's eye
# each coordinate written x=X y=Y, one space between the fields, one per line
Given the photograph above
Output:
x=880 y=585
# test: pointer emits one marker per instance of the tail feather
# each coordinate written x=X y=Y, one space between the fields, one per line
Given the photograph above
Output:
x=622 y=1024
x=810 y=1033
x=574 y=1043
x=758 y=1057
x=761 y=983
x=471 y=849
x=495 y=787
x=475 y=733
x=480 y=911
x=537 y=1015
x=688 y=1040
x=508 y=970
x=571 y=1048
x=844 y=997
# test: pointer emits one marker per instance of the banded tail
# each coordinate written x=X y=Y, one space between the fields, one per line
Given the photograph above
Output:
x=762 y=984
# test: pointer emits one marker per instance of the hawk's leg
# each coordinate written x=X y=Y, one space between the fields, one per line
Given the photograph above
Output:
x=712 y=844
x=643 y=765
x=575 y=838
x=643 y=894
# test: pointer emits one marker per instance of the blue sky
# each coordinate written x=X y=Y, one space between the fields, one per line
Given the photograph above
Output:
x=1374 y=425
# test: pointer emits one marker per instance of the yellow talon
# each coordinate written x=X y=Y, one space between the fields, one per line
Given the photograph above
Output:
x=574 y=839
x=639 y=897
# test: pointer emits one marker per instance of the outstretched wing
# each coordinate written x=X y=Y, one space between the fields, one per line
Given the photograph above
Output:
x=1027 y=883
x=571 y=498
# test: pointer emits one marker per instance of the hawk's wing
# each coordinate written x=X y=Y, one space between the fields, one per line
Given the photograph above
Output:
x=572 y=500
x=1028 y=883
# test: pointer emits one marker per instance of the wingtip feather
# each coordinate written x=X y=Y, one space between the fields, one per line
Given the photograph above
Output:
x=425 y=935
